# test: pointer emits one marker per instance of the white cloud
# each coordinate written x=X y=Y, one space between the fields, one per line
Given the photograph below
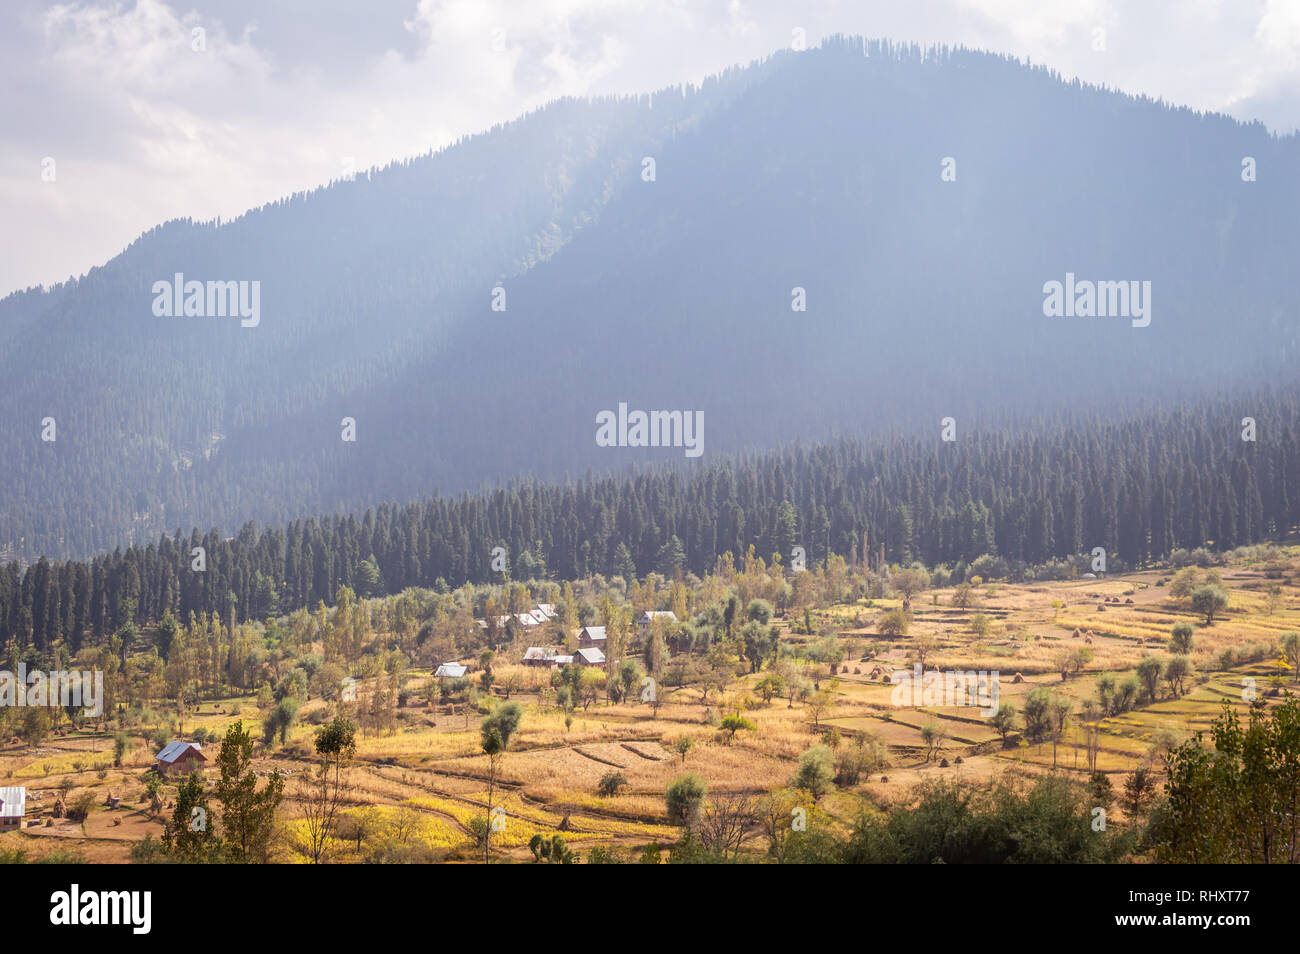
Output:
x=1279 y=28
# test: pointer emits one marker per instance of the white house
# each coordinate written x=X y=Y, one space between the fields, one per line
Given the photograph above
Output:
x=13 y=805
x=450 y=671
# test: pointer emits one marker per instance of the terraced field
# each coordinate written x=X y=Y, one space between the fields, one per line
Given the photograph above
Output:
x=420 y=786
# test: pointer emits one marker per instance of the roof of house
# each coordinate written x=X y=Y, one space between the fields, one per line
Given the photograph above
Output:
x=651 y=614
x=174 y=750
x=450 y=670
x=564 y=660
x=539 y=652
x=13 y=801
x=547 y=610
x=591 y=655
x=594 y=632
x=528 y=619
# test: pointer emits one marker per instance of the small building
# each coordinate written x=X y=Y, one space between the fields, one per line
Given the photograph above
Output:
x=528 y=619
x=179 y=757
x=645 y=619
x=540 y=656
x=564 y=660
x=591 y=656
x=591 y=637
x=450 y=671
x=546 y=610
x=13 y=806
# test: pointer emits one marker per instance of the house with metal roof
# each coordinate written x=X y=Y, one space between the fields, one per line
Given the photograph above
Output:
x=180 y=757
x=541 y=656
x=450 y=671
x=13 y=805
x=591 y=656
x=591 y=637
x=645 y=619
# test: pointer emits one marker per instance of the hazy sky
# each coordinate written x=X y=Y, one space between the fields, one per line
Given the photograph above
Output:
x=143 y=127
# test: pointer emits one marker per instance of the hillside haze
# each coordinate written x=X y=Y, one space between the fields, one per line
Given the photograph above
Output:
x=820 y=170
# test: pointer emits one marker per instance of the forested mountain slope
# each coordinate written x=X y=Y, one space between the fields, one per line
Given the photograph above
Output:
x=820 y=170
x=1139 y=487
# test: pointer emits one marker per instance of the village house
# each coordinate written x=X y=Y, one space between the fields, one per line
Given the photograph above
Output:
x=645 y=619
x=450 y=671
x=546 y=609
x=180 y=757
x=591 y=656
x=540 y=656
x=591 y=637
x=13 y=805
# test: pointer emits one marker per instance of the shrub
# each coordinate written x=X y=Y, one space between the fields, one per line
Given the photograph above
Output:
x=1047 y=820
x=601 y=855
x=815 y=771
x=683 y=797
x=82 y=806
x=864 y=757
x=735 y=723
x=610 y=783
x=894 y=623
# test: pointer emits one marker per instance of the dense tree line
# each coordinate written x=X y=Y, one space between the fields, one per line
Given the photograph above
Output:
x=1140 y=488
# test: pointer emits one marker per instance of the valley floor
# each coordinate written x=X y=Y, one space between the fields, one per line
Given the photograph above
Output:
x=414 y=791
